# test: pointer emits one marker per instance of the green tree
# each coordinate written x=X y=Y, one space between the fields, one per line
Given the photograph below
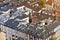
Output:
x=1 y=0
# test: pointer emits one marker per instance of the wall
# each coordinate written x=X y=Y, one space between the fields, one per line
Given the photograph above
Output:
x=9 y=32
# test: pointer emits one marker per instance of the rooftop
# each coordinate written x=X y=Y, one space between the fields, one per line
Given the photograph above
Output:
x=11 y=23
x=46 y=18
x=35 y=30
x=4 y=7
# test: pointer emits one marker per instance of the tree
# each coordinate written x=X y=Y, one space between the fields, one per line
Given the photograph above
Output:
x=42 y=3
x=1 y=0
x=52 y=38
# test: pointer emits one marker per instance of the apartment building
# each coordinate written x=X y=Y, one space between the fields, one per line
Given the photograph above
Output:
x=12 y=34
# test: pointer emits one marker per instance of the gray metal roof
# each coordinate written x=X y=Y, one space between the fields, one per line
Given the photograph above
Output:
x=22 y=16
x=1 y=12
x=3 y=19
x=11 y=24
x=29 y=28
x=4 y=7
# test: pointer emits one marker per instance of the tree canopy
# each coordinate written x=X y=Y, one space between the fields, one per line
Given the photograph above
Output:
x=42 y=3
x=1 y=0
x=52 y=38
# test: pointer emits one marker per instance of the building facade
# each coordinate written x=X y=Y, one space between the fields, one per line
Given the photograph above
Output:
x=12 y=34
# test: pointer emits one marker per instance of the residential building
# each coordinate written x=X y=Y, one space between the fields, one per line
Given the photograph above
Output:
x=26 y=20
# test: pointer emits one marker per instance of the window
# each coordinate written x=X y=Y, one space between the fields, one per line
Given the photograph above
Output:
x=12 y=35
x=30 y=21
x=13 y=39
